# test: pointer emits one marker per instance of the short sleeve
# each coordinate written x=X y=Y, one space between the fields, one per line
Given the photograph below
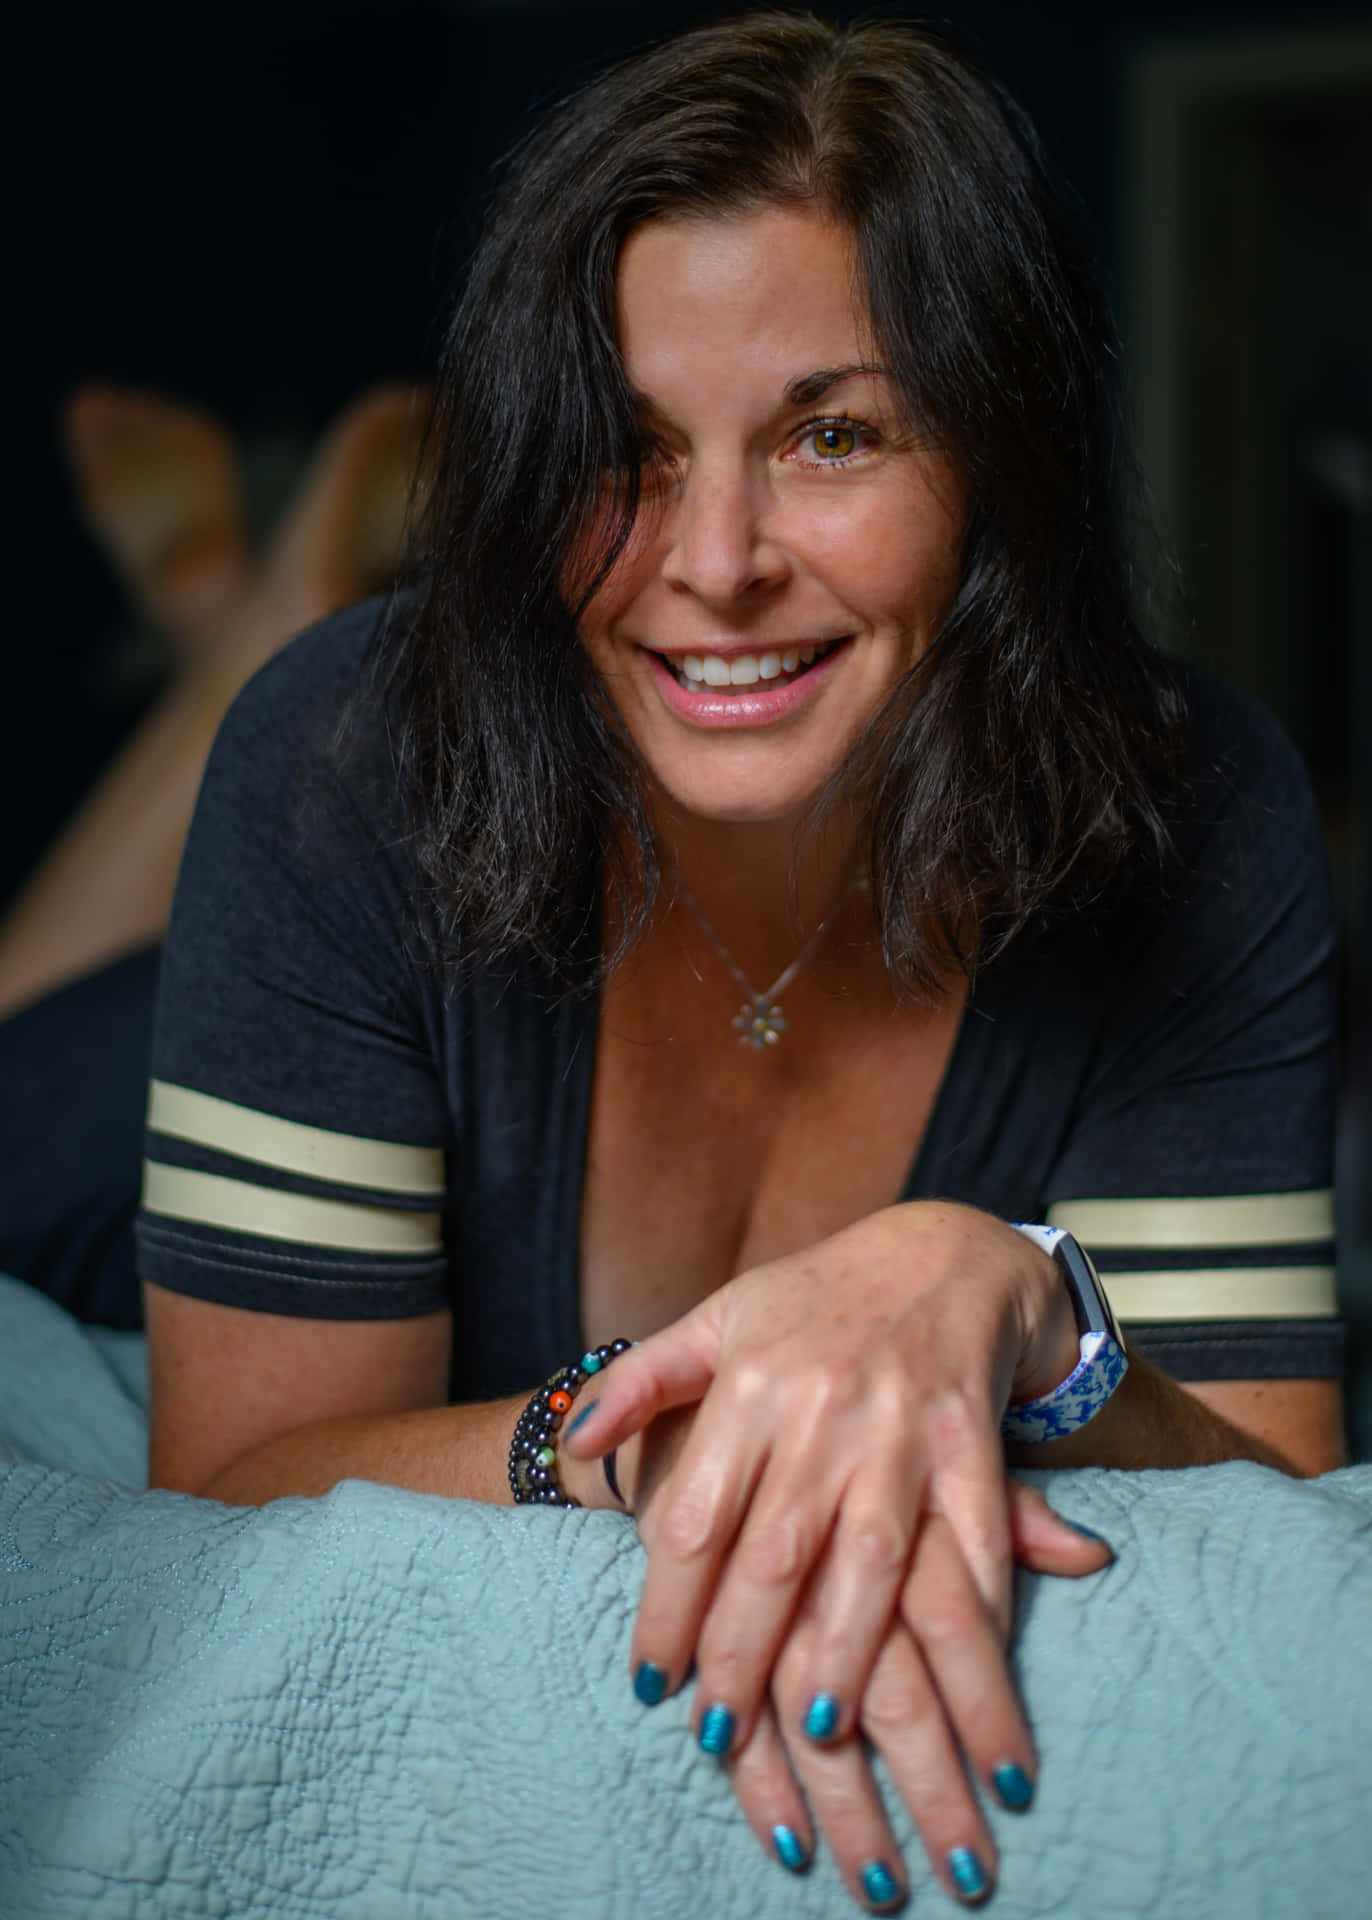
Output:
x=1198 y=1167
x=297 y=1127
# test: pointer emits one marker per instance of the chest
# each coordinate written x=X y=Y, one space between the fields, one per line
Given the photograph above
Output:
x=705 y=1158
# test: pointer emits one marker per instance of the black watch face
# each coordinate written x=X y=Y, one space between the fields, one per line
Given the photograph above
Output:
x=1093 y=1310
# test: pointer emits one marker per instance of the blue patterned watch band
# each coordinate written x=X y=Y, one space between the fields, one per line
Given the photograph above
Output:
x=1103 y=1363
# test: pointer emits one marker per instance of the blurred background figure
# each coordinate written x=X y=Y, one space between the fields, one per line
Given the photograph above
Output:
x=159 y=485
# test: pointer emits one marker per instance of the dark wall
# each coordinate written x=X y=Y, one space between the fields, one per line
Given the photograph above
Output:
x=264 y=211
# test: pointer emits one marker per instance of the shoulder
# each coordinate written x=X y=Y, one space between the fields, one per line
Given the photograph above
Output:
x=1240 y=767
x=305 y=749
x=311 y=694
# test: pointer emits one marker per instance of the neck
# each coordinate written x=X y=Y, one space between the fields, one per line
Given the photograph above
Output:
x=762 y=887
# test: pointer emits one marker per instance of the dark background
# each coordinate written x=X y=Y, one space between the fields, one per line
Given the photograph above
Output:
x=265 y=209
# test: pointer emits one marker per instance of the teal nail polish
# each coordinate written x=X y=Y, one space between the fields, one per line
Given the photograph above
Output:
x=789 y=1850
x=879 y=1884
x=968 y=1875
x=1013 y=1786
x=650 y=1683
x=584 y=1415
x=821 y=1719
x=1087 y=1533
x=716 y=1730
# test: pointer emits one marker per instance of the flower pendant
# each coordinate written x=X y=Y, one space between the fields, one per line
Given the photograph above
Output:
x=761 y=1024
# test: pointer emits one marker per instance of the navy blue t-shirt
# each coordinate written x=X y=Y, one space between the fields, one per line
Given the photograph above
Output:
x=338 y=1129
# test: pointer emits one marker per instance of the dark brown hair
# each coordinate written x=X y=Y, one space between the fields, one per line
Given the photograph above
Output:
x=1024 y=762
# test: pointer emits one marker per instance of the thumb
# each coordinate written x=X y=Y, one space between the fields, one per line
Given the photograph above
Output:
x=1046 y=1543
x=672 y=1368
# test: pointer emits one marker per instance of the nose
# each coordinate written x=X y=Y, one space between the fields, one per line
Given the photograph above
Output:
x=721 y=543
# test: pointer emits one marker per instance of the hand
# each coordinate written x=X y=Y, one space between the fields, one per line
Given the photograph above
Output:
x=848 y=1392
x=939 y=1688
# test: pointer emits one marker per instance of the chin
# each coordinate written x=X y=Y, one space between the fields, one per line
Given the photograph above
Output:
x=741 y=804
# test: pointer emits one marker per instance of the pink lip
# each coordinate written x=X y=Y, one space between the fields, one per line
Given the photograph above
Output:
x=758 y=707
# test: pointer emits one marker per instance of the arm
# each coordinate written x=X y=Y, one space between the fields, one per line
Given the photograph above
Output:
x=249 y=1407
x=1295 y=1426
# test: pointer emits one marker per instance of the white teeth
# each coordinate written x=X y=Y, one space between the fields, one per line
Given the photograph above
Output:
x=746 y=669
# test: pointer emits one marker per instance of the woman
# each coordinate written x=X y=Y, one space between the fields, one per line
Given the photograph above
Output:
x=774 y=634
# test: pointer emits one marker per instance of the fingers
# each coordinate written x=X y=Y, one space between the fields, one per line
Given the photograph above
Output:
x=670 y=1369
x=968 y=1488
x=785 y=1533
x=844 y=1801
x=903 y=1718
x=963 y=1651
x=1046 y=1543
x=689 y=1524
x=772 y=1803
x=741 y=1529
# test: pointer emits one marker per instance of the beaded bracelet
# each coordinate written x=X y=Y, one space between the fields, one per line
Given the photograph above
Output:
x=533 y=1457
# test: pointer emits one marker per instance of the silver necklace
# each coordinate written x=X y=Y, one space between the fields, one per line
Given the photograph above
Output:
x=759 y=1022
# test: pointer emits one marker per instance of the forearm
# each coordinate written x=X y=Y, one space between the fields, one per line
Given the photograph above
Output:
x=1152 y=1421
x=460 y=1452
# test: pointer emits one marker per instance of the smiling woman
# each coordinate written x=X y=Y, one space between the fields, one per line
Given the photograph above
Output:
x=771 y=627
x=810 y=556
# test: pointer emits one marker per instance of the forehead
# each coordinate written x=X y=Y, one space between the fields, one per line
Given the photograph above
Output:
x=714 y=296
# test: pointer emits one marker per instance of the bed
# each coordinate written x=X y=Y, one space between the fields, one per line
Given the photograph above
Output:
x=388 y=1706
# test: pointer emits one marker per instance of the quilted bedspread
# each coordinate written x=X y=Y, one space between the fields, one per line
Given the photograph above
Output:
x=379 y=1704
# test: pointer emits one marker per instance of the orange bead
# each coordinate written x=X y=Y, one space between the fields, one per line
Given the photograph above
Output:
x=559 y=1401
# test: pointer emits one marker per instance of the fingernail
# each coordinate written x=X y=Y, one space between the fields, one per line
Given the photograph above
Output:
x=583 y=1416
x=650 y=1683
x=1088 y=1533
x=879 y=1884
x=716 y=1730
x=1014 y=1786
x=822 y=1716
x=968 y=1875
x=789 y=1850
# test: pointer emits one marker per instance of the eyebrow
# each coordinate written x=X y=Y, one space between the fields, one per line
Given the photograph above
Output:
x=813 y=386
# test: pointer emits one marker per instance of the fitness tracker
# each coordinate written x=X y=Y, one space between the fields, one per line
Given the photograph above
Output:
x=1103 y=1363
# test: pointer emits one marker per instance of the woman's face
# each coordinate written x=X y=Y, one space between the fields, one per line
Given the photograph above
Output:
x=796 y=549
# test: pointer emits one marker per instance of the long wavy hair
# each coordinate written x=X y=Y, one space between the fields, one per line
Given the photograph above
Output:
x=1025 y=761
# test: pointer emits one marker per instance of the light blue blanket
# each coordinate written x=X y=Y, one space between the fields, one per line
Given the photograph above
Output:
x=379 y=1704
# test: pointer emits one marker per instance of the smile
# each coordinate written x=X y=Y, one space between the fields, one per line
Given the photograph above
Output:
x=702 y=672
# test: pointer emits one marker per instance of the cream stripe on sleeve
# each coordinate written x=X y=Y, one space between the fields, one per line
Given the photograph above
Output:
x=345 y=1158
x=209 y=1200
x=1236 y=1220
x=1224 y=1293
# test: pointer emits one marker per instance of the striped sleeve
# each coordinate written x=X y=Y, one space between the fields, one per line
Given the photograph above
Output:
x=1222 y=1287
x=338 y=1225
x=1198 y=1163
x=297 y=1122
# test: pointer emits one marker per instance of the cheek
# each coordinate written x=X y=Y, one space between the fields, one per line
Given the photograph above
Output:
x=626 y=581
x=892 y=565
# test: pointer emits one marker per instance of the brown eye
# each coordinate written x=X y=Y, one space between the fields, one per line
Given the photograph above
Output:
x=833 y=443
